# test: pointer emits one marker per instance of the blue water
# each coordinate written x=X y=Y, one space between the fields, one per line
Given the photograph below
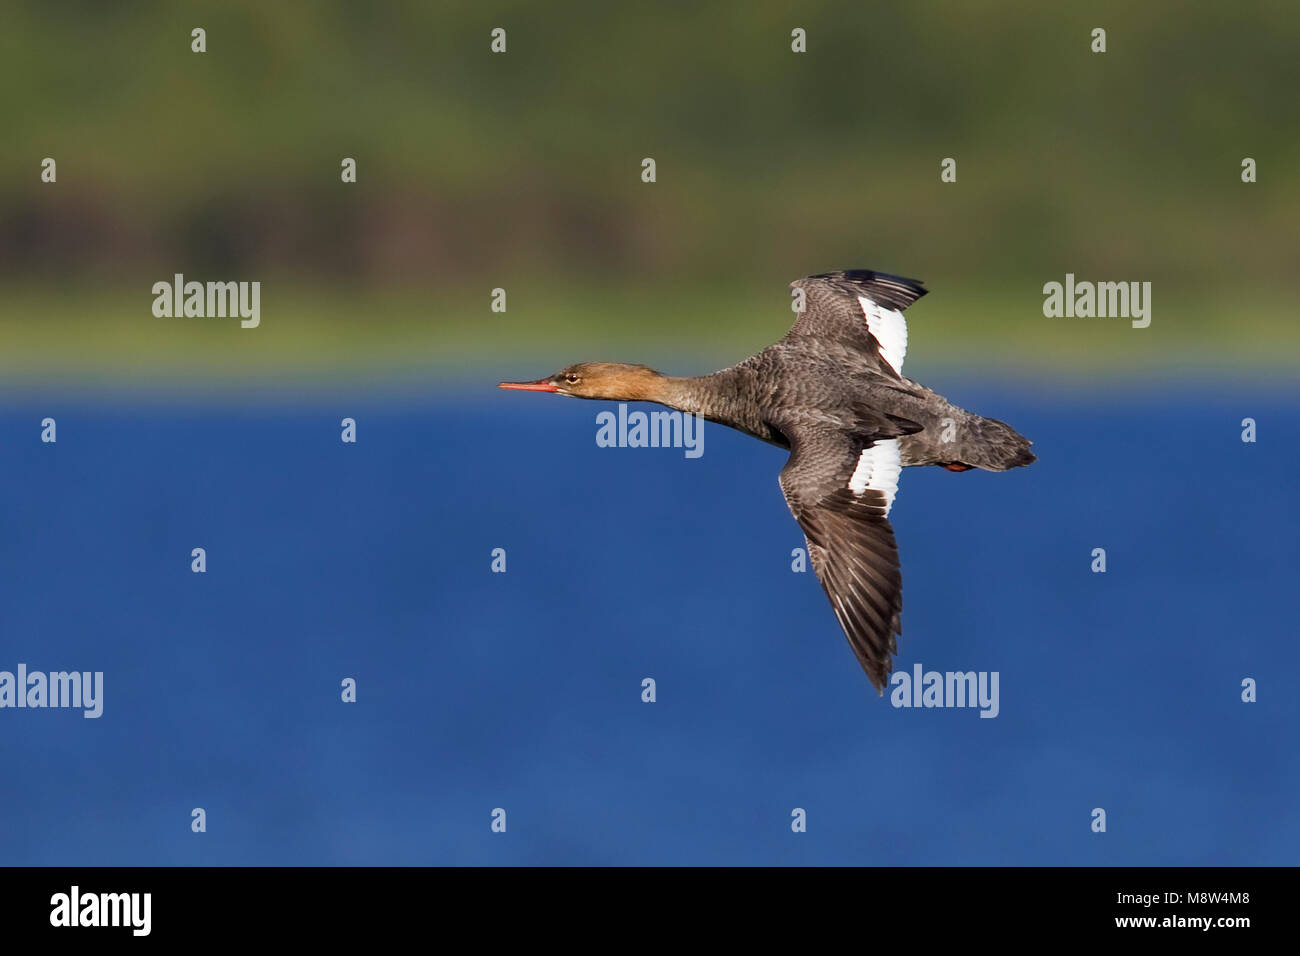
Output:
x=522 y=690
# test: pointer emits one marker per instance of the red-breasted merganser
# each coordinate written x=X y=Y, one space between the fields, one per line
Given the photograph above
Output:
x=832 y=392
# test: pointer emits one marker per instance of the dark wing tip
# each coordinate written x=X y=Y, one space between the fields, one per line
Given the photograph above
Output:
x=891 y=291
x=850 y=542
x=856 y=560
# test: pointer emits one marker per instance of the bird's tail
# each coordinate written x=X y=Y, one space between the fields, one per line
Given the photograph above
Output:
x=992 y=445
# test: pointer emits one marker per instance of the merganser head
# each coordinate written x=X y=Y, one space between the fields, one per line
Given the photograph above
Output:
x=608 y=380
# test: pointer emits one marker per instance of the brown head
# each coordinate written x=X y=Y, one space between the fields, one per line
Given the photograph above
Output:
x=608 y=380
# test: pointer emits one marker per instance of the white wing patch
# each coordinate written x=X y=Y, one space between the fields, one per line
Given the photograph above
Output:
x=890 y=330
x=879 y=466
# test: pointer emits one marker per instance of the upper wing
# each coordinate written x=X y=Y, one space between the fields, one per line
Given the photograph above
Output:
x=840 y=488
x=862 y=307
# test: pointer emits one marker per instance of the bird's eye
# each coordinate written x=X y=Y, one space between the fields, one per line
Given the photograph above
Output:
x=571 y=378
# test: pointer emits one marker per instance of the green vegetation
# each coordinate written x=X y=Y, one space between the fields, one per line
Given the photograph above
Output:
x=306 y=332
x=522 y=170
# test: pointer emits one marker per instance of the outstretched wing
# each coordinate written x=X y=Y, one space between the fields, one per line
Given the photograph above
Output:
x=840 y=488
x=861 y=307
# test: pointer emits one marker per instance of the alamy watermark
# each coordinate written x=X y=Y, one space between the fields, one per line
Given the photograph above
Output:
x=670 y=429
x=947 y=689
x=208 y=300
x=1085 y=300
x=75 y=908
x=82 y=689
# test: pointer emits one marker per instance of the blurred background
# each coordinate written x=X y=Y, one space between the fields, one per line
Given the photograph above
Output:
x=522 y=171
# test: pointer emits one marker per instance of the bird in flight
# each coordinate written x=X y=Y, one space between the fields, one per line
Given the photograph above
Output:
x=833 y=393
